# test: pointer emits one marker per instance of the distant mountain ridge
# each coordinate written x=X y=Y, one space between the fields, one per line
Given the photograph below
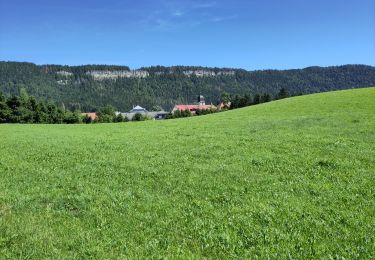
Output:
x=89 y=87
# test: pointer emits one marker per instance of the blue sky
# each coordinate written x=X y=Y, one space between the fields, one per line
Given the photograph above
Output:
x=251 y=34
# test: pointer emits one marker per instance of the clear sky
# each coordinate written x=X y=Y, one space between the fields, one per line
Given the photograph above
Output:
x=250 y=34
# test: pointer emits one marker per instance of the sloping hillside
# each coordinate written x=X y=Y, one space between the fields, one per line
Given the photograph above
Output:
x=290 y=178
x=90 y=87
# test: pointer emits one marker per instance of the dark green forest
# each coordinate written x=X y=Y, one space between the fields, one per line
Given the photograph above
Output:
x=71 y=87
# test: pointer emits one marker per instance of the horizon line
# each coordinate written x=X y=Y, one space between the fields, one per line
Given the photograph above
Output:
x=171 y=66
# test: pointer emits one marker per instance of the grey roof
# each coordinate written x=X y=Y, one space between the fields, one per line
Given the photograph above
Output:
x=138 y=109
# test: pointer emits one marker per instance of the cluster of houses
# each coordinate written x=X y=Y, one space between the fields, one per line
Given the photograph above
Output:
x=159 y=115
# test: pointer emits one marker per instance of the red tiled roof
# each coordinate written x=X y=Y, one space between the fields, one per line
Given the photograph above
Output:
x=193 y=107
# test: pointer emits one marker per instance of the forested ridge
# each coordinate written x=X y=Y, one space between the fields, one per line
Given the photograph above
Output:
x=73 y=87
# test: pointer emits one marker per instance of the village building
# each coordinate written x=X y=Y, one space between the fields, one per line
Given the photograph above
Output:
x=201 y=100
x=157 y=115
x=201 y=105
x=138 y=109
x=93 y=115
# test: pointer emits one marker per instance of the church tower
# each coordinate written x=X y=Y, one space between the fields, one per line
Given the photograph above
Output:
x=201 y=100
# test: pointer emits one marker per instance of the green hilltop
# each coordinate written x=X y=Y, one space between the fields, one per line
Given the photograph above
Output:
x=292 y=178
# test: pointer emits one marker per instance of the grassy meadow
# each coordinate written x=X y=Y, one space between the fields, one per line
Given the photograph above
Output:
x=293 y=178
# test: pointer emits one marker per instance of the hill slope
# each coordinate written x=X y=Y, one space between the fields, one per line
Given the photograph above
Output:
x=93 y=86
x=294 y=177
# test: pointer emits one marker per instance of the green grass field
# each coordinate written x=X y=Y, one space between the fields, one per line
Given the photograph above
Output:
x=294 y=178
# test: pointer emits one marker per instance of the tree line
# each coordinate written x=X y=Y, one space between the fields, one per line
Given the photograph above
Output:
x=27 y=109
x=238 y=101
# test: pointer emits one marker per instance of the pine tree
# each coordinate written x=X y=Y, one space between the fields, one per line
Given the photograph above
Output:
x=265 y=98
x=256 y=99
x=4 y=109
x=283 y=93
x=119 y=118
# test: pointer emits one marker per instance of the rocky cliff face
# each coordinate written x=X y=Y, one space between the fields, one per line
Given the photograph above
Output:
x=64 y=73
x=202 y=73
x=106 y=74
x=114 y=74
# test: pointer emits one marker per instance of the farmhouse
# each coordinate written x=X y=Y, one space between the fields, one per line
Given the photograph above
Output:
x=91 y=115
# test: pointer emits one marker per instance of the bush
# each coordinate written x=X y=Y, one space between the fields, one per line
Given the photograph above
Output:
x=139 y=117
x=119 y=118
x=87 y=119
x=106 y=114
x=72 y=117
